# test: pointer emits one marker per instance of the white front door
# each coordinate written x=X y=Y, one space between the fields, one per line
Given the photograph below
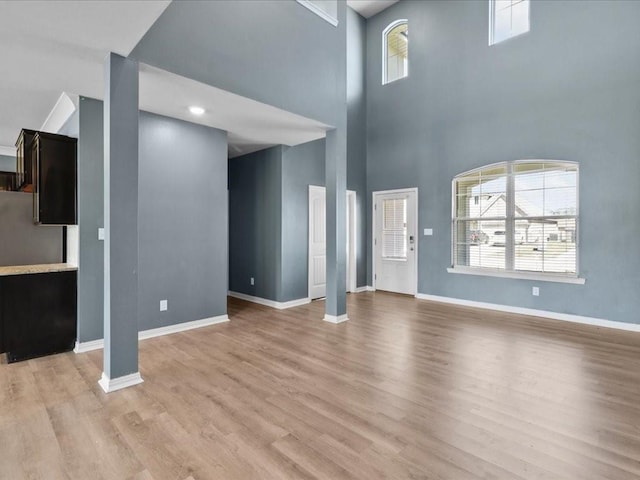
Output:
x=318 y=242
x=395 y=241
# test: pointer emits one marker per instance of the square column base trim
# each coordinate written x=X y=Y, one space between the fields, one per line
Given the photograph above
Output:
x=335 y=319
x=112 y=384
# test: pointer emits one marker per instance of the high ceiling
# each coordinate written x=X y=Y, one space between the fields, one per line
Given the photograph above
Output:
x=368 y=8
x=50 y=47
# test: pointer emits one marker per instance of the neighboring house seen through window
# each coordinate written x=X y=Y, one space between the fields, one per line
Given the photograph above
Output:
x=507 y=19
x=519 y=216
x=395 y=51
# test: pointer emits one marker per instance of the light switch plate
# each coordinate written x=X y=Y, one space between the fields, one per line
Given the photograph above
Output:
x=100 y=233
x=163 y=305
x=535 y=291
x=428 y=231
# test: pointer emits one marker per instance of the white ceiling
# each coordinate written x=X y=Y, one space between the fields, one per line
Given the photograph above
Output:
x=251 y=125
x=50 y=47
x=368 y=8
x=53 y=46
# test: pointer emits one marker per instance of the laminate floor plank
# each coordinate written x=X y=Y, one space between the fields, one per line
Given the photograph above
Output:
x=406 y=389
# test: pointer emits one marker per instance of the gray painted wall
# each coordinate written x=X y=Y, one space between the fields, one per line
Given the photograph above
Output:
x=183 y=221
x=357 y=132
x=183 y=211
x=567 y=90
x=90 y=218
x=278 y=53
x=269 y=220
x=22 y=242
x=7 y=163
x=255 y=223
x=302 y=165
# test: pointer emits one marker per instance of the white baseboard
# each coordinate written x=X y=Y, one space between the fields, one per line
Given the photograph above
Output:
x=335 y=319
x=370 y=288
x=361 y=289
x=270 y=303
x=112 y=384
x=181 y=327
x=82 y=347
x=567 y=317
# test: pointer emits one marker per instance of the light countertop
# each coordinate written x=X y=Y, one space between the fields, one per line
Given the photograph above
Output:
x=43 y=268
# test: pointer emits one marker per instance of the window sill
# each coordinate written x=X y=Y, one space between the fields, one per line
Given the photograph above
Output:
x=538 y=277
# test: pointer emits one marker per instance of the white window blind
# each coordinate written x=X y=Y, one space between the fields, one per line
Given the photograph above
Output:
x=508 y=18
x=517 y=216
x=394 y=228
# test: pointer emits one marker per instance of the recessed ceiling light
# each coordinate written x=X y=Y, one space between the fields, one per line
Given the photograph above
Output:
x=196 y=110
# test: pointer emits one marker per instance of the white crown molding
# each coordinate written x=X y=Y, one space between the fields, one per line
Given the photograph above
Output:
x=566 y=317
x=60 y=113
x=8 y=151
x=112 y=384
x=82 y=347
x=318 y=11
x=270 y=303
x=335 y=319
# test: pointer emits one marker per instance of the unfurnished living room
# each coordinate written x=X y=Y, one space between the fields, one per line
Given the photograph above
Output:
x=319 y=239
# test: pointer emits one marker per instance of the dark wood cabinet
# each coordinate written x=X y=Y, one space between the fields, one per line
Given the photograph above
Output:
x=37 y=314
x=24 y=170
x=54 y=167
x=7 y=181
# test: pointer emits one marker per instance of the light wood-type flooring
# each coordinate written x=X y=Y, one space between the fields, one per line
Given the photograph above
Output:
x=406 y=389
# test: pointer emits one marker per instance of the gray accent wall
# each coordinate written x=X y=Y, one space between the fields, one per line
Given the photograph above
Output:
x=302 y=165
x=90 y=219
x=7 y=163
x=255 y=223
x=566 y=90
x=269 y=220
x=182 y=223
x=357 y=132
x=21 y=241
x=276 y=52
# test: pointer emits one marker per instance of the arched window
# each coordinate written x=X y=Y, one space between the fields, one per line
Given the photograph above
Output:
x=517 y=217
x=395 y=50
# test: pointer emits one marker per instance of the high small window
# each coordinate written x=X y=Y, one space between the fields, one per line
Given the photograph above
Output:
x=517 y=216
x=507 y=18
x=395 y=51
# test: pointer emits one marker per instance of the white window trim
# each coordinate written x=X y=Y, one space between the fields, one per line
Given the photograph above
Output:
x=385 y=32
x=517 y=274
x=492 y=42
x=318 y=11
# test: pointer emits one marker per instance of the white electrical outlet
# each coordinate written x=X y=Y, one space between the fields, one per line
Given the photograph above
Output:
x=100 y=233
x=535 y=291
x=252 y=281
x=163 y=306
x=428 y=231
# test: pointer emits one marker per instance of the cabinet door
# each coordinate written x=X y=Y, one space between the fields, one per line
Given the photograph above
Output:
x=55 y=192
x=39 y=313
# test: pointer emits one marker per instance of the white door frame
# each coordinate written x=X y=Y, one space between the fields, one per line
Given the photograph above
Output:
x=373 y=232
x=352 y=268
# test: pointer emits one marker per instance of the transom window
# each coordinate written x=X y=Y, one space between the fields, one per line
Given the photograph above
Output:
x=395 y=51
x=519 y=216
x=507 y=19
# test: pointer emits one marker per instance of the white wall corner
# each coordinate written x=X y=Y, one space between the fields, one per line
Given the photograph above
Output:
x=112 y=384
